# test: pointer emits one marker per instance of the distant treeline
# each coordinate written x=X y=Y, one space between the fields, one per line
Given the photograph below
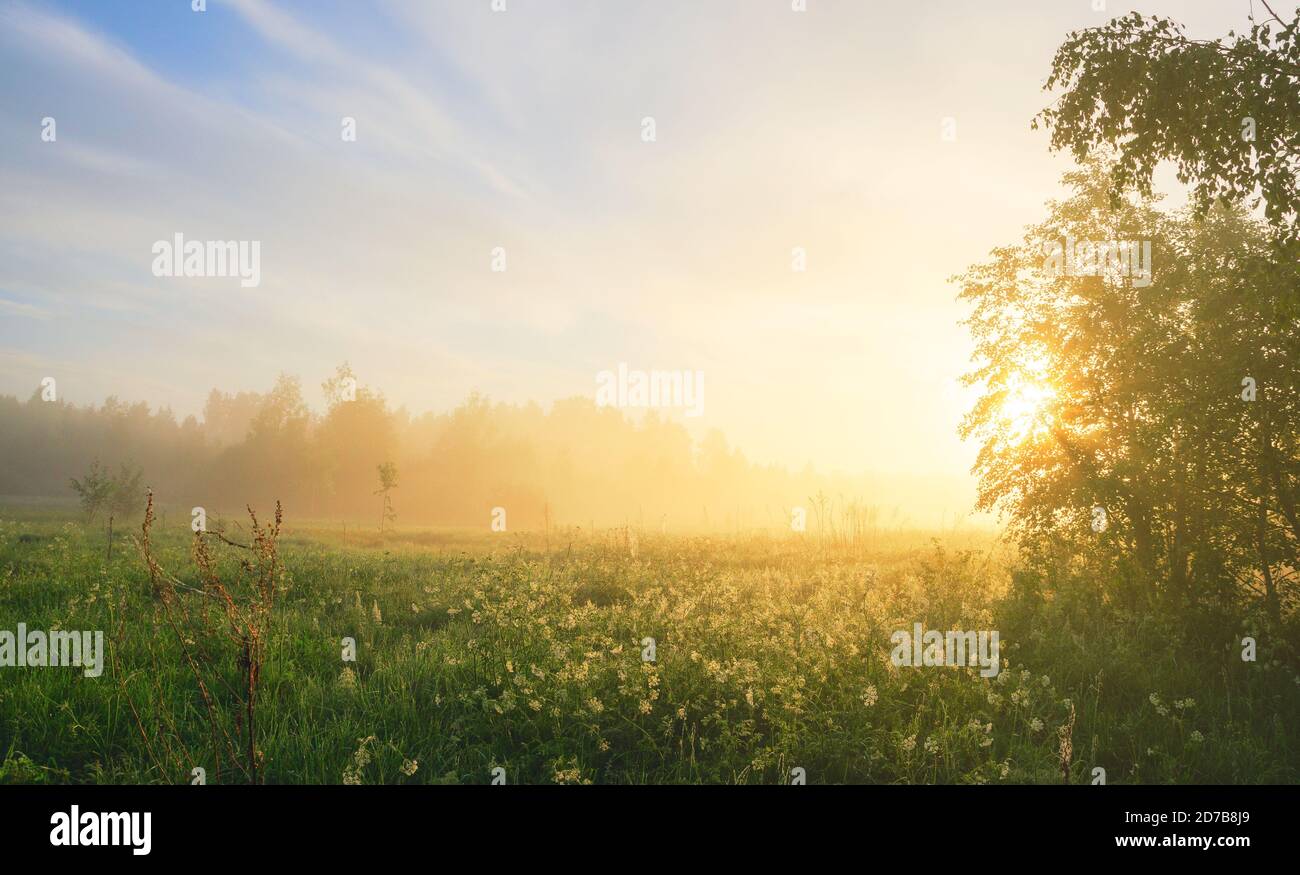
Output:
x=574 y=464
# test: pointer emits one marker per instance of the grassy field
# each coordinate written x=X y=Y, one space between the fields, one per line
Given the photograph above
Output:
x=526 y=653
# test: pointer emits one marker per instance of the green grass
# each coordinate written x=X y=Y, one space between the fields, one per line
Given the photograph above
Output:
x=524 y=652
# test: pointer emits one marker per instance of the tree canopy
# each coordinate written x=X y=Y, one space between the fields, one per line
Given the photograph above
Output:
x=1226 y=111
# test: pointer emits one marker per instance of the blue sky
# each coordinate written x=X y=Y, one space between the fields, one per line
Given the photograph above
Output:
x=522 y=129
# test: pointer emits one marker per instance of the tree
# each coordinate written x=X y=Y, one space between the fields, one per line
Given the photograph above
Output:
x=94 y=490
x=127 y=492
x=1114 y=424
x=340 y=387
x=387 y=483
x=1226 y=112
x=357 y=428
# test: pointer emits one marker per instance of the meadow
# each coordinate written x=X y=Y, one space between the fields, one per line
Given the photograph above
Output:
x=627 y=656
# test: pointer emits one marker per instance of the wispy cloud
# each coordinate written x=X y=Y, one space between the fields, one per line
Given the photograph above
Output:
x=28 y=311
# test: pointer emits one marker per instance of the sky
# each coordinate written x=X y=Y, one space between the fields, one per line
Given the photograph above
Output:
x=524 y=129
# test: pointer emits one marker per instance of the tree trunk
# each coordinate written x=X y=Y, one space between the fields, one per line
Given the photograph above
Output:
x=1261 y=545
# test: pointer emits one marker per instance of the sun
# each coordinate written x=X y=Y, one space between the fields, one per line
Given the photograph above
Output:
x=1024 y=411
